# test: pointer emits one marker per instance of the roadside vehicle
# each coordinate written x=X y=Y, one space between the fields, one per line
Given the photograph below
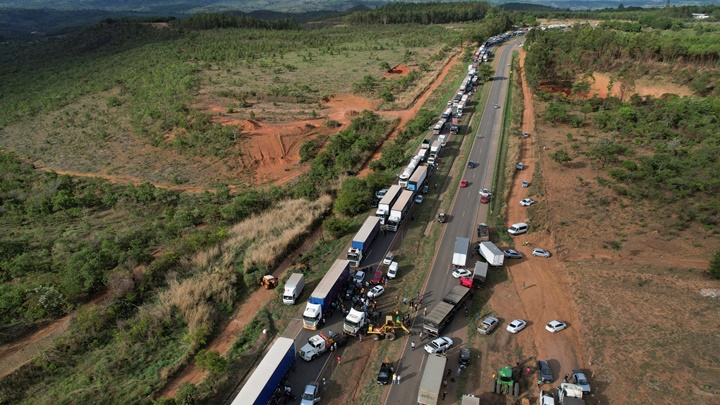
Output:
x=385 y=374
x=389 y=258
x=488 y=325
x=579 y=377
x=520 y=166
x=376 y=291
x=518 y=228
x=544 y=371
x=457 y=273
x=471 y=164
x=540 y=252
x=463 y=183
x=516 y=326
x=497 y=106
x=439 y=345
x=526 y=134
x=392 y=270
x=512 y=254
x=359 y=277
x=381 y=193
x=485 y=198
x=527 y=202
x=465 y=357
x=374 y=203
x=555 y=326
x=418 y=199
x=525 y=184
x=311 y=395
x=425 y=189
x=546 y=398
x=377 y=277
x=485 y=192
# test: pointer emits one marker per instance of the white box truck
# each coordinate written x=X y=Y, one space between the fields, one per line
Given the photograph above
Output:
x=399 y=210
x=293 y=288
x=491 y=253
x=461 y=250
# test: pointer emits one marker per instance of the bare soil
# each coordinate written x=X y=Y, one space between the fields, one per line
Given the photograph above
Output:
x=399 y=71
x=643 y=87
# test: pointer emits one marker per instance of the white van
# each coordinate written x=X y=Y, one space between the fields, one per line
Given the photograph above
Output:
x=518 y=229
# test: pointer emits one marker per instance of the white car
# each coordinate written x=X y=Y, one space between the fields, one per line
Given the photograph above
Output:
x=389 y=258
x=555 y=326
x=380 y=194
x=497 y=106
x=527 y=202
x=457 y=273
x=512 y=254
x=485 y=192
x=376 y=291
x=439 y=345
x=516 y=326
x=418 y=199
x=392 y=270
x=540 y=252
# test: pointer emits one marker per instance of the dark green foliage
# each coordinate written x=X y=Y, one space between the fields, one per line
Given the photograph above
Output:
x=715 y=265
x=421 y=13
x=309 y=149
x=212 y=21
x=337 y=227
x=211 y=361
x=353 y=197
x=561 y=157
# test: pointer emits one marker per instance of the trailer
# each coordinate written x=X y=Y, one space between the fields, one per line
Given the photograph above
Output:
x=462 y=246
x=432 y=378
x=447 y=113
x=457 y=296
x=409 y=170
x=399 y=210
x=321 y=299
x=465 y=81
x=362 y=241
x=480 y=274
x=387 y=201
x=418 y=178
x=262 y=385
x=436 y=320
x=435 y=148
x=438 y=128
x=494 y=256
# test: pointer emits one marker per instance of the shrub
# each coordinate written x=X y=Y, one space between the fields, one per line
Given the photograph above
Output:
x=211 y=361
x=715 y=266
x=336 y=227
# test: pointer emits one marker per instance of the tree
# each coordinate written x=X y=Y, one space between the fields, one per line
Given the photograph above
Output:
x=561 y=157
x=385 y=66
x=485 y=72
x=715 y=265
x=211 y=361
x=353 y=197
x=607 y=151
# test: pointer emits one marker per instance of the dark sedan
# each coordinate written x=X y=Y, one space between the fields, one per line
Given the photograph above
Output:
x=544 y=371
x=385 y=374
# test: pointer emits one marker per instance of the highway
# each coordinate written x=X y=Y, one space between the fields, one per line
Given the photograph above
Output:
x=465 y=213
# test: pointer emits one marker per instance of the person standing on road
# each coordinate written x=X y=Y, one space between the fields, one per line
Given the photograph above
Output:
x=338 y=359
x=398 y=378
x=412 y=345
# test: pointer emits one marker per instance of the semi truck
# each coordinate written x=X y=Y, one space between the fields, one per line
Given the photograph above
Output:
x=387 y=201
x=293 y=288
x=409 y=170
x=570 y=394
x=435 y=148
x=426 y=142
x=461 y=250
x=399 y=210
x=264 y=381
x=494 y=256
x=431 y=382
x=362 y=241
x=463 y=85
x=354 y=322
x=436 y=320
x=443 y=140
x=447 y=113
x=436 y=129
x=321 y=299
x=318 y=345
x=418 y=178
x=480 y=274
x=457 y=296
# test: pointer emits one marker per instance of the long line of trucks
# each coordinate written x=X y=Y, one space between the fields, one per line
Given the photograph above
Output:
x=322 y=297
x=263 y=383
x=399 y=210
x=362 y=241
x=387 y=202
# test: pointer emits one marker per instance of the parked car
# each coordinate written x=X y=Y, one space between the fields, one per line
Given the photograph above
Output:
x=540 y=252
x=516 y=326
x=349 y=292
x=518 y=229
x=463 y=183
x=380 y=194
x=425 y=189
x=389 y=258
x=512 y=254
x=488 y=325
x=485 y=198
x=485 y=192
x=465 y=356
x=527 y=202
x=555 y=326
x=311 y=395
x=376 y=291
x=457 y=273
x=525 y=184
x=392 y=270
x=418 y=199
x=377 y=277
x=497 y=106
x=579 y=378
x=520 y=166
x=439 y=345
x=385 y=374
x=546 y=398
x=375 y=203
x=359 y=277
x=471 y=164
x=544 y=371
x=526 y=134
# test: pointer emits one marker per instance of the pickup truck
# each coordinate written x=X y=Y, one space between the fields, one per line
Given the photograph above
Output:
x=319 y=344
x=487 y=325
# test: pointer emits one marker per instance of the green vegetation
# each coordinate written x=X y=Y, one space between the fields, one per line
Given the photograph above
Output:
x=421 y=13
x=715 y=265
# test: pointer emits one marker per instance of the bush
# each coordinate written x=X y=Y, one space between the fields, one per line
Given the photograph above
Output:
x=336 y=227
x=715 y=266
x=211 y=361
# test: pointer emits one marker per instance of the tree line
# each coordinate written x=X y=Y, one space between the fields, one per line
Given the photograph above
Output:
x=224 y=20
x=421 y=13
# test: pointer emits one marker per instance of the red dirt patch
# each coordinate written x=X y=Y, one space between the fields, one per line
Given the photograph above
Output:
x=399 y=70
x=601 y=81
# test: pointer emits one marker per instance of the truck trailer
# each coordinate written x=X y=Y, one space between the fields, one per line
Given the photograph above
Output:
x=436 y=320
x=494 y=256
x=462 y=245
x=387 y=202
x=480 y=274
x=293 y=288
x=457 y=296
x=264 y=381
x=435 y=148
x=321 y=299
x=418 y=178
x=432 y=378
x=362 y=241
x=399 y=210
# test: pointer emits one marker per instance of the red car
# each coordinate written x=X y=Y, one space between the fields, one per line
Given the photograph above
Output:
x=485 y=199
x=377 y=277
x=463 y=183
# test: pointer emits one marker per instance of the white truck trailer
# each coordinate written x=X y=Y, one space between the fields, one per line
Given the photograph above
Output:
x=462 y=245
x=494 y=256
x=399 y=210
x=387 y=202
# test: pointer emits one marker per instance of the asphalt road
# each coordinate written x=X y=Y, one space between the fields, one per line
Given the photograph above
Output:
x=465 y=213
